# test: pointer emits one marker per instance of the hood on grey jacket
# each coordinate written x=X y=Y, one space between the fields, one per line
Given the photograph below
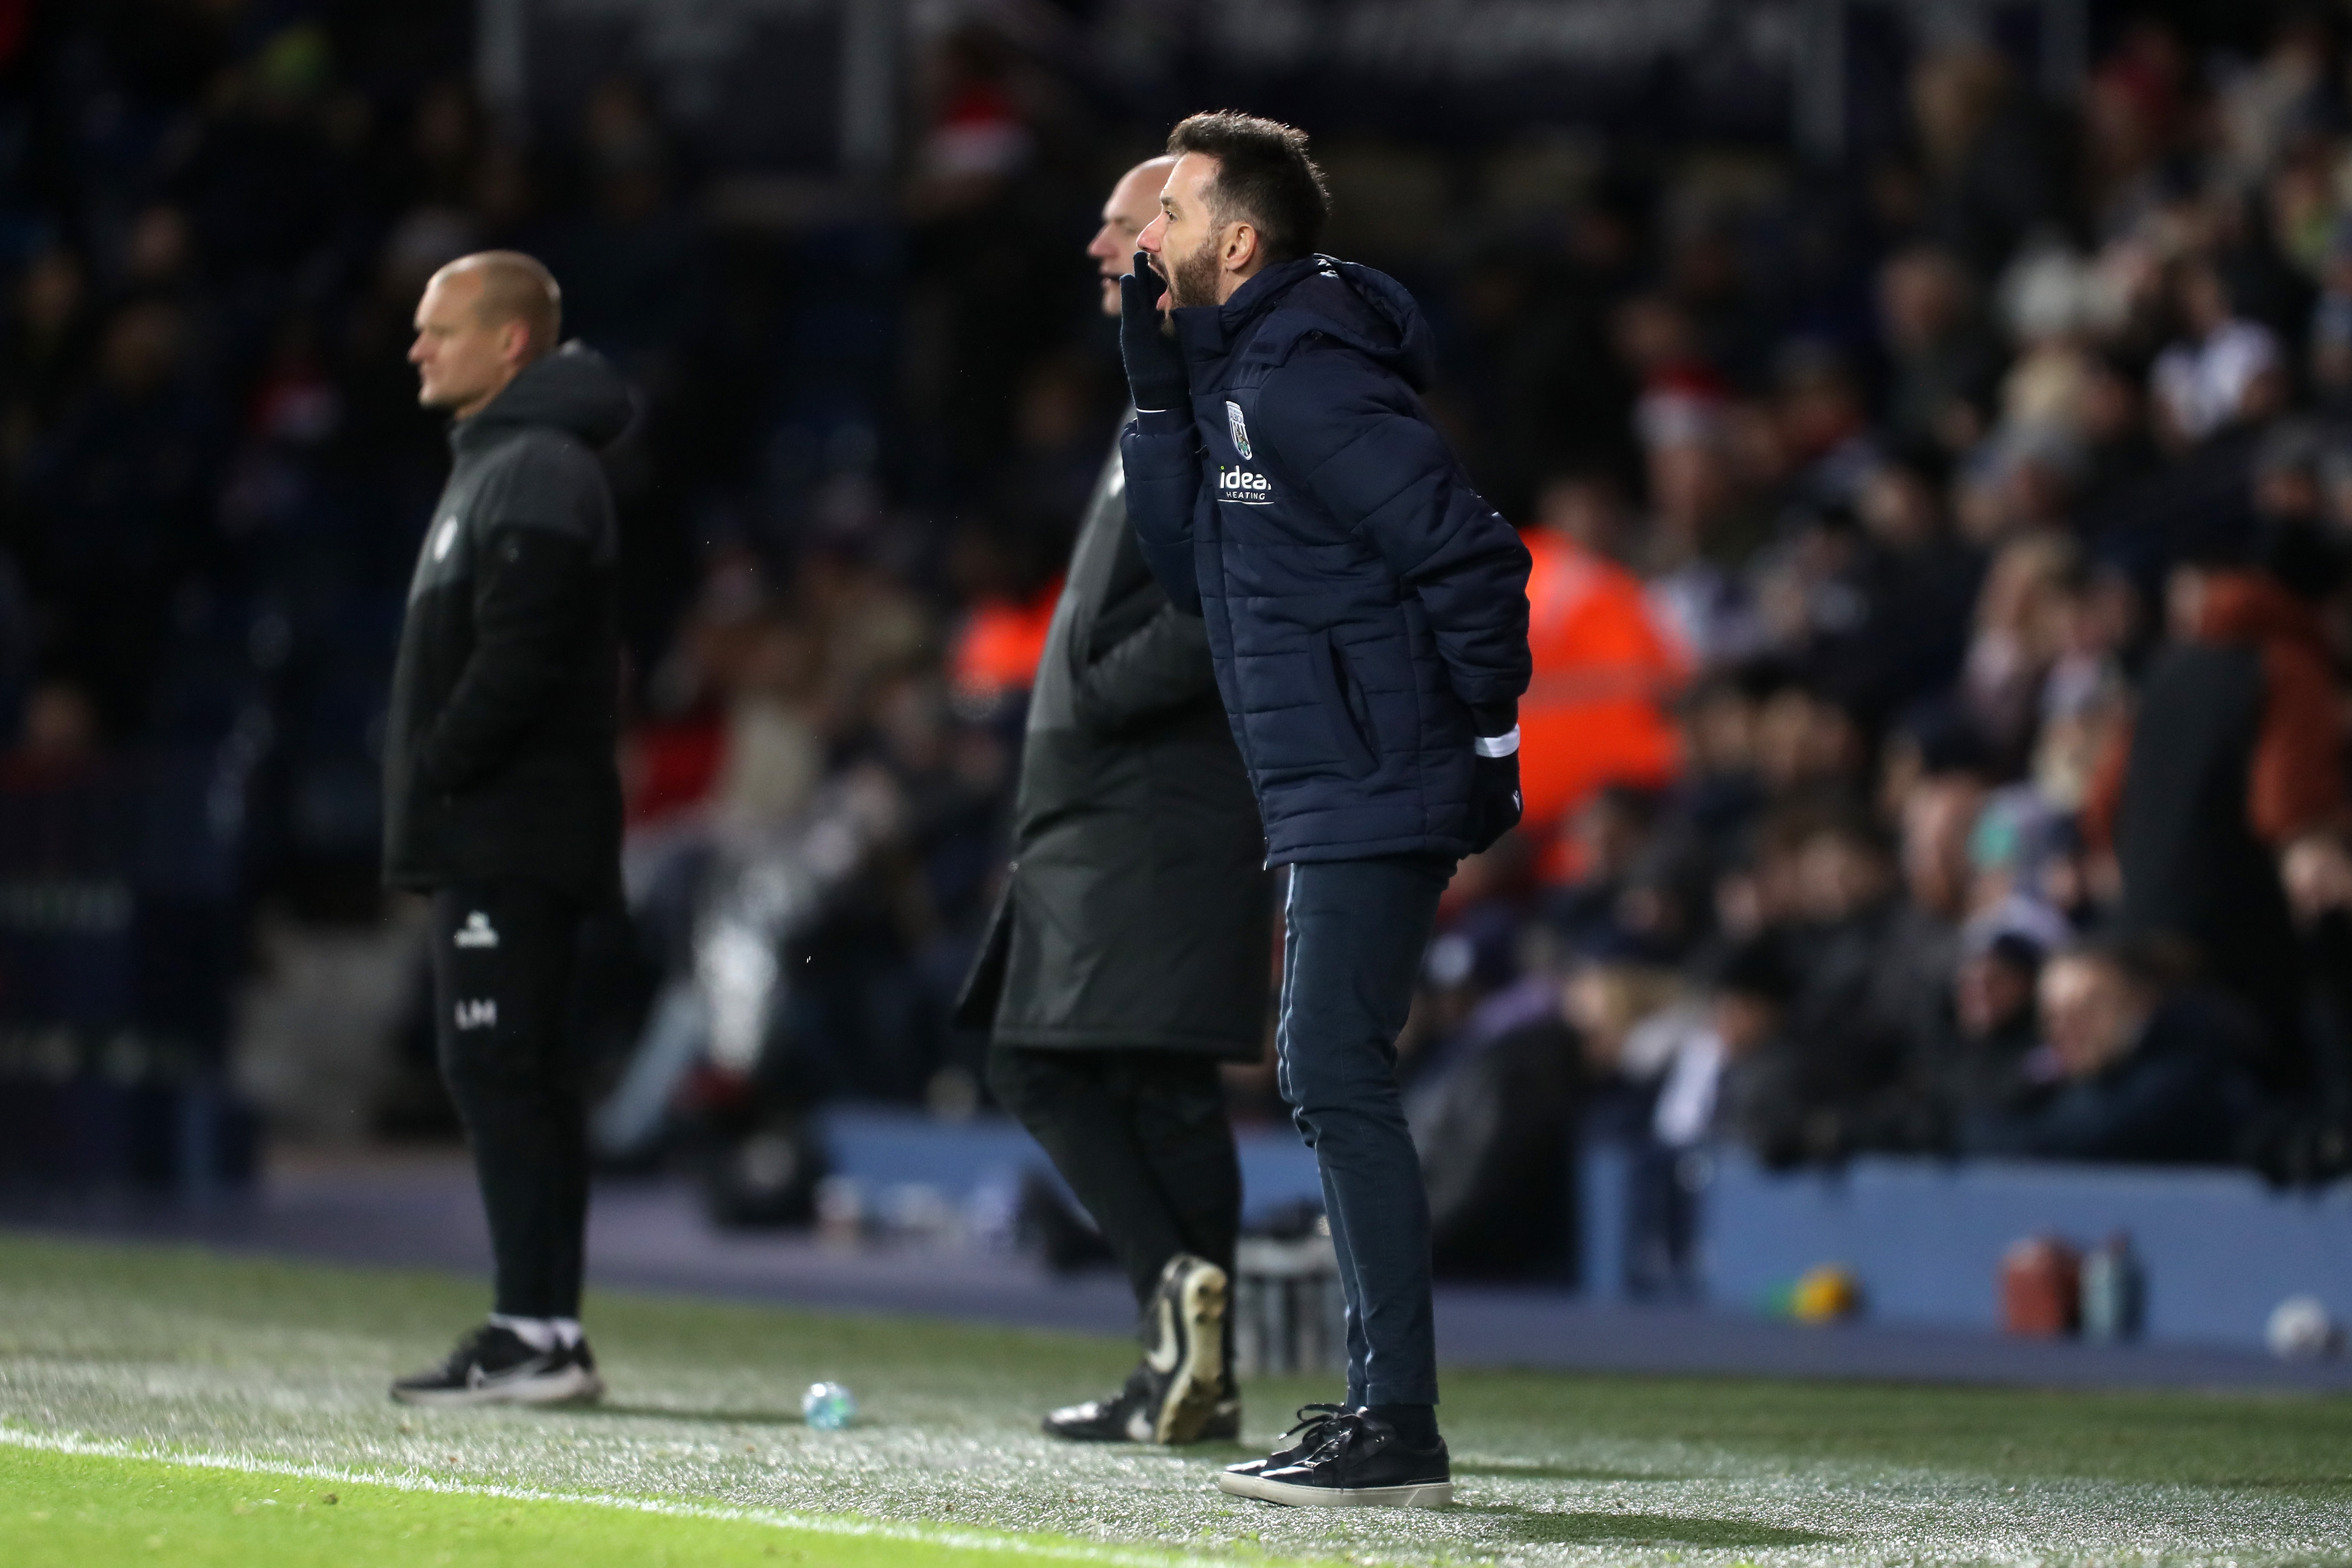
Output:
x=574 y=389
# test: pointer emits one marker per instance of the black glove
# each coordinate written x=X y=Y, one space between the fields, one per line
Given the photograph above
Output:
x=1494 y=800
x=1155 y=366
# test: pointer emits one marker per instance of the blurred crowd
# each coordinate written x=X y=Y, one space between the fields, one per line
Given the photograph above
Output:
x=1936 y=743
x=1994 y=559
x=216 y=219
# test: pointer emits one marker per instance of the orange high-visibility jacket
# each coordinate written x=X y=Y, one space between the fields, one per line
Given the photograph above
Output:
x=996 y=650
x=1605 y=673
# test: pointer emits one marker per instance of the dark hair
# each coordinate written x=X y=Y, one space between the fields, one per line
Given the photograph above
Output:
x=1264 y=177
x=2304 y=557
x=1846 y=823
x=2017 y=950
x=2157 y=963
x=1757 y=967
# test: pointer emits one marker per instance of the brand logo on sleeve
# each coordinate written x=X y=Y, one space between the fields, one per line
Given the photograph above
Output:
x=1245 y=486
x=481 y=1014
x=478 y=932
x=1241 y=430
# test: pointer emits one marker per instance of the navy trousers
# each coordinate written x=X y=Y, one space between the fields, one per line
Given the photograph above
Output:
x=1351 y=953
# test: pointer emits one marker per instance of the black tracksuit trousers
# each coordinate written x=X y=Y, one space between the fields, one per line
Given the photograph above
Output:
x=502 y=965
x=1143 y=1139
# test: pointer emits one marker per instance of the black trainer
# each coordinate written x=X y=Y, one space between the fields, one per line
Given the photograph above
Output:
x=1182 y=1393
x=1184 y=1353
x=1224 y=1422
x=1361 y=1463
x=1314 y=1426
x=1129 y=1416
x=494 y=1366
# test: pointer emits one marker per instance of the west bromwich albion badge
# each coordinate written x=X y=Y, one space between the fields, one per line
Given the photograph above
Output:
x=1241 y=430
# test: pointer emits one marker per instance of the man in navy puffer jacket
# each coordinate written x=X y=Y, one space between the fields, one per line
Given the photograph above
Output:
x=1367 y=615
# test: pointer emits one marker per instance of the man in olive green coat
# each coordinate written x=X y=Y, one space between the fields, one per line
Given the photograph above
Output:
x=1132 y=951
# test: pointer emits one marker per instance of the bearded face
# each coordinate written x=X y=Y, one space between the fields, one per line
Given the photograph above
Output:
x=1192 y=280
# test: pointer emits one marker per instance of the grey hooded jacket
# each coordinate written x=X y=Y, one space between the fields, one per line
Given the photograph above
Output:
x=498 y=756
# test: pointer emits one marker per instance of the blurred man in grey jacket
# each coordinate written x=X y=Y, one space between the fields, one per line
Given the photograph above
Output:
x=1131 y=952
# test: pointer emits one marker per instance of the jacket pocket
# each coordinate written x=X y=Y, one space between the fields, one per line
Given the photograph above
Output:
x=1332 y=689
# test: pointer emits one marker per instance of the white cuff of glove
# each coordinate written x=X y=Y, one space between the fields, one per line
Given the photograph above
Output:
x=1499 y=745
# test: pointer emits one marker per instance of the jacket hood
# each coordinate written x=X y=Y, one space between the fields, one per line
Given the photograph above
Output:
x=1359 y=305
x=2252 y=608
x=575 y=388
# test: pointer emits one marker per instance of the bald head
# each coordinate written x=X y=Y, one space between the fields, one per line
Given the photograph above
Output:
x=1134 y=202
x=514 y=287
x=483 y=318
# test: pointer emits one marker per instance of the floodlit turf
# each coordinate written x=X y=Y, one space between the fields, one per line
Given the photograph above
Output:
x=75 y=1510
x=106 y=1351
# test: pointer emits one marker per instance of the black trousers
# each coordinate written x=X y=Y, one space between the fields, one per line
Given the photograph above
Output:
x=1143 y=1139
x=502 y=962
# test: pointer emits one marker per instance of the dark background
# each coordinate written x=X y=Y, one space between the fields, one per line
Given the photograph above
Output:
x=877 y=390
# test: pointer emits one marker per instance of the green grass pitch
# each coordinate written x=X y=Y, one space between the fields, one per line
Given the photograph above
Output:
x=169 y=1406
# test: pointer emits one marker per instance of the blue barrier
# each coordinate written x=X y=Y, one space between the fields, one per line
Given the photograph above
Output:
x=1926 y=1237
x=883 y=1147
x=2220 y=1249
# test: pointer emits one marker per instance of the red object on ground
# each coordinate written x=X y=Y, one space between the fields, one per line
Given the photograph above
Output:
x=999 y=646
x=1596 y=712
x=2040 y=1288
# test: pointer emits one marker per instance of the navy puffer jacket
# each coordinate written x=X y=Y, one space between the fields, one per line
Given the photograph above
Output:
x=1367 y=611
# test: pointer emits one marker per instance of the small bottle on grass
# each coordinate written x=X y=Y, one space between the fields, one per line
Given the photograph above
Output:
x=828 y=1406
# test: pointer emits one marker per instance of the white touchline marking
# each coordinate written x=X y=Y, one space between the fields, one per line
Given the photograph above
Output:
x=817 y=1524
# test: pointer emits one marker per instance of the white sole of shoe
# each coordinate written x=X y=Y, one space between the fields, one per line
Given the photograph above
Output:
x=1190 y=1402
x=572 y=1386
x=1422 y=1494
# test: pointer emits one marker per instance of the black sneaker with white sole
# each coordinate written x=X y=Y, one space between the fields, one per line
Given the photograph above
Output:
x=1314 y=1426
x=1361 y=1463
x=1183 y=1392
x=494 y=1366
